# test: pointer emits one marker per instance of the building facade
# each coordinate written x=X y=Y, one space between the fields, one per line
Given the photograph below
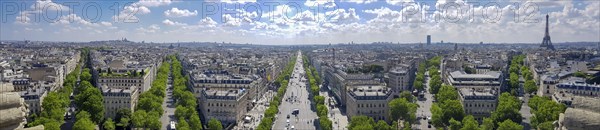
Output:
x=371 y=101
x=479 y=103
x=117 y=98
x=226 y=97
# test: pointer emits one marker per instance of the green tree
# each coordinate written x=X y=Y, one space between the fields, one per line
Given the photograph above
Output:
x=435 y=84
x=319 y=100
x=153 y=120
x=55 y=125
x=469 y=123
x=454 y=124
x=86 y=75
x=544 y=110
x=195 y=122
x=381 y=125
x=446 y=92
x=509 y=125
x=83 y=122
x=407 y=95
x=437 y=115
x=91 y=100
x=182 y=124
x=108 y=124
x=214 y=124
x=182 y=112
x=418 y=85
x=400 y=108
x=124 y=123
x=452 y=109
x=546 y=126
x=325 y=123
x=514 y=81
x=488 y=124
x=123 y=117
x=508 y=108
x=361 y=123
x=530 y=86
x=321 y=110
x=139 y=118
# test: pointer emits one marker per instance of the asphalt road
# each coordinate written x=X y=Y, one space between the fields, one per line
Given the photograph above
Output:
x=424 y=109
x=298 y=96
x=168 y=106
x=526 y=113
x=340 y=120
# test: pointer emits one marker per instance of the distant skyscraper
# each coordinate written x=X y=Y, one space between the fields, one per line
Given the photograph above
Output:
x=428 y=39
x=480 y=43
x=455 y=46
x=546 y=43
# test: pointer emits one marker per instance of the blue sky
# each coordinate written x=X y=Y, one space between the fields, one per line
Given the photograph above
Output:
x=299 y=21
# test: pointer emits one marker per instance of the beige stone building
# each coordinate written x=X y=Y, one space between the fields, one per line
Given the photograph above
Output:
x=117 y=98
x=369 y=100
x=478 y=102
x=121 y=88
x=124 y=78
x=226 y=97
x=399 y=80
x=33 y=98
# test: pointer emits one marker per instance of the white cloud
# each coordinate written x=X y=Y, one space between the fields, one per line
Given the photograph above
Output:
x=320 y=3
x=153 y=3
x=305 y=16
x=232 y=1
x=129 y=13
x=48 y=5
x=150 y=29
x=108 y=24
x=209 y=22
x=231 y=21
x=359 y=1
x=73 y=18
x=37 y=8
x=171 y=23
x=175 y=12
x=343 y=16
x=399 y=2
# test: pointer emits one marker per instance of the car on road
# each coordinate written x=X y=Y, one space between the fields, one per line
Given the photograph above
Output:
x=172 y=125
x=296 y=111
x=68 y=116
x=288 y=116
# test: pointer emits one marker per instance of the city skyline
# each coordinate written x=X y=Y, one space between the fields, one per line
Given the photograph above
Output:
x=300 y=22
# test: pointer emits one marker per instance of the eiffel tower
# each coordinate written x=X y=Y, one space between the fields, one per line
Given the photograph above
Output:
x=546 y=43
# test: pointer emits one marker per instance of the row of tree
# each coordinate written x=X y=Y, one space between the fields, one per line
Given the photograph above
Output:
x=419 y=82
x=88 y=100
x=314 y=81
x=149 y=108
x=54 y=104
x=185 y=112
x=545 y=112
x=404 y=108
x=436 y=80
x=517 y=68
x=282 y=81
x=448 y=107
x=367 y=123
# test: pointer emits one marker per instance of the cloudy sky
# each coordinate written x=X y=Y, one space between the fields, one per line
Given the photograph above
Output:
x=301 y=22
